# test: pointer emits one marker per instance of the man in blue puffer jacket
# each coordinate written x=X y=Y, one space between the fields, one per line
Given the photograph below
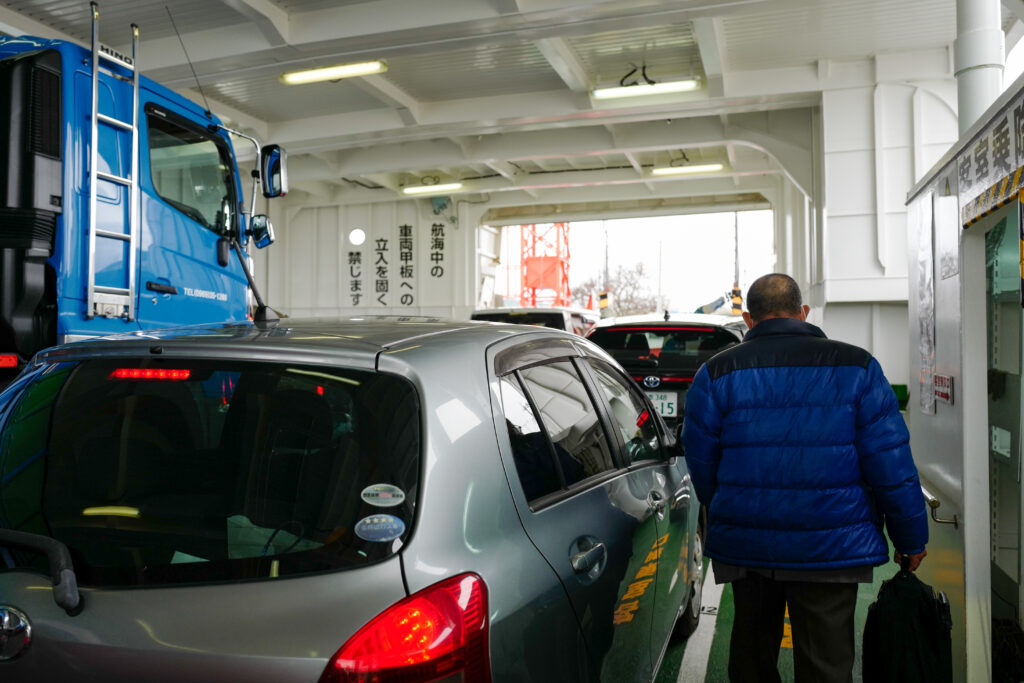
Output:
x=796 y=446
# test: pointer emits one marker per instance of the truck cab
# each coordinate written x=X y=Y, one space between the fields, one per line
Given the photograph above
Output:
x=120 y=201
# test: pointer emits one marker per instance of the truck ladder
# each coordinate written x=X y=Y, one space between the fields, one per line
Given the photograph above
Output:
x=104 y=301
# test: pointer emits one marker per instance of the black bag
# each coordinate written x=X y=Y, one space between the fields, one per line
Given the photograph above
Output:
x=907 y=633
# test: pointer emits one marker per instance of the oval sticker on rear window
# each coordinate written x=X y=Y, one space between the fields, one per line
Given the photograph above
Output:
x=380 y=528
x=383 y=495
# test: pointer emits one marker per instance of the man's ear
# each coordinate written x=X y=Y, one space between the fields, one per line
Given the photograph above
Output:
x=804 y=311
x=748 y=320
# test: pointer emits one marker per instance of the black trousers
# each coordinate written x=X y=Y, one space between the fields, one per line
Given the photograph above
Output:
x=821 y=616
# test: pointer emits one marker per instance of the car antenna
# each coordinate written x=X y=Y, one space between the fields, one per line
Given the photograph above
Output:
x=208 y=112
x=667 y=315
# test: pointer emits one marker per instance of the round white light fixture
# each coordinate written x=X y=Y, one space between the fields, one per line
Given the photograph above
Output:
x=357 y=237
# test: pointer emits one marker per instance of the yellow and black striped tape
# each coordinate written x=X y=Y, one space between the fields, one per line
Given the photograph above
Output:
x=992 y=198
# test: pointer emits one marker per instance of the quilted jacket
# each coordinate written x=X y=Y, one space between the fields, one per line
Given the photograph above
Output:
x=796 y=445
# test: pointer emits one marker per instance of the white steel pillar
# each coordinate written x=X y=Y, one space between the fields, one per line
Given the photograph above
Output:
x=978 y=58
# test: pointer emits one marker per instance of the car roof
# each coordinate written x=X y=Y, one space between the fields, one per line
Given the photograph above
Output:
x=341 y=337
x=538 y=309
x=730 y=321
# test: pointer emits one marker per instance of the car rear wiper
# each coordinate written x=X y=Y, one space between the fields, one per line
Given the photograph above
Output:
x=65 y=584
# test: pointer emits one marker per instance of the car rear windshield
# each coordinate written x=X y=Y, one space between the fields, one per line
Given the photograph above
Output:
x=164 y=472
x=553 y=320
x=662 y=347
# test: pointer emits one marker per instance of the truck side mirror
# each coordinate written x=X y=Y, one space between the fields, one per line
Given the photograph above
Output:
x=262 y=231
x=273 y=171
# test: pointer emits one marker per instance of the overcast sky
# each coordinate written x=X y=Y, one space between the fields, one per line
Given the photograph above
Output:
x=694 y=255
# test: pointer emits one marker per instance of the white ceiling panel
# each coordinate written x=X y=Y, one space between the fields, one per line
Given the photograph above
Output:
x=670 y=52
x=480 y=71
x=273 y=101
x=835 y=29
x=116 y=16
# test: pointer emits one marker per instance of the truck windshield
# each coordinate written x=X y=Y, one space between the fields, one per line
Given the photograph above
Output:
x=169 y=473
x=191 y=170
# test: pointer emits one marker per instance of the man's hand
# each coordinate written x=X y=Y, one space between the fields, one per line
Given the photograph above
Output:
x=915 y=560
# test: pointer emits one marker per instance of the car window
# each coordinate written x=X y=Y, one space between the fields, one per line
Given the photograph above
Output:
x=570 y=419
x=191 y=171
x=665 y=347
x=161 y=472
x=629 y=413
x=531 y=450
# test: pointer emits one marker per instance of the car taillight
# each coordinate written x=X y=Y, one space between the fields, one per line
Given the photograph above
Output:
x=439 y=631
x=8 y=360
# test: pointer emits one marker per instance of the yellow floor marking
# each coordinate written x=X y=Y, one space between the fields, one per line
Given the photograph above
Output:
x=787 y=632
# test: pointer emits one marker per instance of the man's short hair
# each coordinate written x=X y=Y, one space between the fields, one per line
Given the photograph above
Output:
x=772 y=295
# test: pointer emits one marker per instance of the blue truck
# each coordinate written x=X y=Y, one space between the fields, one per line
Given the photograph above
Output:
x=121 y=204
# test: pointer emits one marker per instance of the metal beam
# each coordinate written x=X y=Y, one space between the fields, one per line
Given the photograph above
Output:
x=613 y=210
x=471 y=118
x=710 y=41
x=1015 y=7
x=316 y=189
x=388 y=93
x=713 y=191
x=631 y=158
x=271 y=20
x=506 y=6
x=565 y=62
x=782 y=135
x=509 y=172
x=390 y=28
x=15 y=24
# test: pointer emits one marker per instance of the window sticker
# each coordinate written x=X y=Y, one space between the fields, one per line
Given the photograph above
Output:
x=380 y=528
x=383 y=495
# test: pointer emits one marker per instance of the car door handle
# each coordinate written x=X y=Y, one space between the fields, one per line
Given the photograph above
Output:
x=588 y=559
x=161 y=288
x=656 y=501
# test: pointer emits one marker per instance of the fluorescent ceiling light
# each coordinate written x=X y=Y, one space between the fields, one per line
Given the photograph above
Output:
x=334 y=73
x=431 y=189
x=645 y=89
x=685 y=170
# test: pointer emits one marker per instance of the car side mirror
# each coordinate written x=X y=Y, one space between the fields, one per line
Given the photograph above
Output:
x=262 y=231
x=273 y=171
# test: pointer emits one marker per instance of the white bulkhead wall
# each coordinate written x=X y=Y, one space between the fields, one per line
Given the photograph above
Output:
x=885 y=123
x=413 y=261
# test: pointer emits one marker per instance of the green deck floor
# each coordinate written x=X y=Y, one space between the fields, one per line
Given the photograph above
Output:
x=718 y=659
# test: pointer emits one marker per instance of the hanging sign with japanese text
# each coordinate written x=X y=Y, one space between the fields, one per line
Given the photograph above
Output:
x=989 y=169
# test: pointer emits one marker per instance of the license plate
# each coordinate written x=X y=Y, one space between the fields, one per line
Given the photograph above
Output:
x=665 y=402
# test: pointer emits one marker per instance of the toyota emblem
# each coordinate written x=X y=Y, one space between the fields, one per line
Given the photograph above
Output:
x=651 y=382
x=15 y=633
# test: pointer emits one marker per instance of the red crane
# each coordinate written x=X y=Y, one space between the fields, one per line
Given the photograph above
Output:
x=545 y=265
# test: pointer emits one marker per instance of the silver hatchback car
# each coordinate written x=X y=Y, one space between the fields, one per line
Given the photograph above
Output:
x=377 y=500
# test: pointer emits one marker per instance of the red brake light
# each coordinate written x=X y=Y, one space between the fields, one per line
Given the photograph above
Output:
x=8 y=360
x=643 y=418
x=150 y=373
x=439 y=631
